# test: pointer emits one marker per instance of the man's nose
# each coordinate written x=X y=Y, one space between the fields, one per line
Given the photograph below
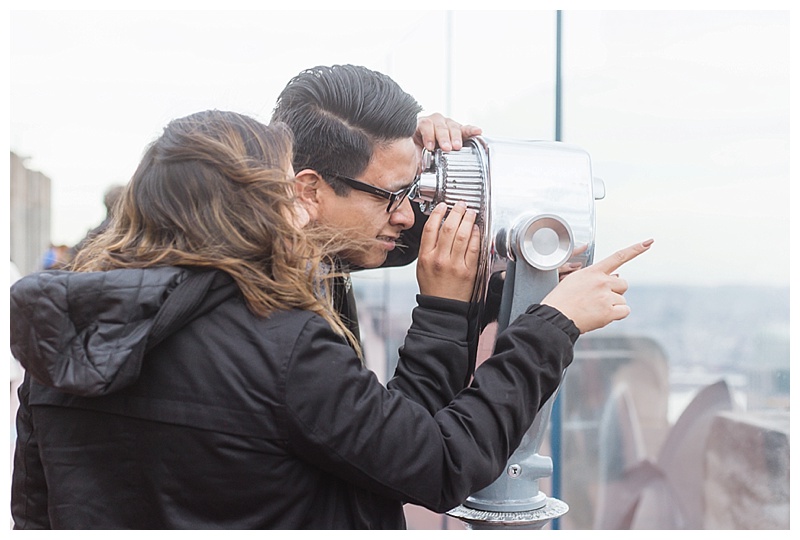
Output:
x=403 y=216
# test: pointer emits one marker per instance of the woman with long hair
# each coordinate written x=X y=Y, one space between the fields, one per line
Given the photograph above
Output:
x=190 y=370
x=215 y=191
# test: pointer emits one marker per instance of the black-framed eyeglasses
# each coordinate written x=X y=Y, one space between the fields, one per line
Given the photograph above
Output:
x=395 y=198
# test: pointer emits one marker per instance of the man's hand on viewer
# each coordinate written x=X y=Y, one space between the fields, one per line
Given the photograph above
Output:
x=448 y=254
x=445 y=132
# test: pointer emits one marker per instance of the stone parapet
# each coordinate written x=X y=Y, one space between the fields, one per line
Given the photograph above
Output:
x=747 y=471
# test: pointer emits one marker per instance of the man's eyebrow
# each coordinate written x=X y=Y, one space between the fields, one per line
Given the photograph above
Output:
x=405 y=184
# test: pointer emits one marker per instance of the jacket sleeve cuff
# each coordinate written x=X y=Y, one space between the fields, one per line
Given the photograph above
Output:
x=557 y=319
x=438 y=316
x=445 y=305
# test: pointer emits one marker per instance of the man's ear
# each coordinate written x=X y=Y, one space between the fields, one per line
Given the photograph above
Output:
x=307 y=188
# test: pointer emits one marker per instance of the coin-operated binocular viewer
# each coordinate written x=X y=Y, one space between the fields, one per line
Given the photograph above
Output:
x=535 y=202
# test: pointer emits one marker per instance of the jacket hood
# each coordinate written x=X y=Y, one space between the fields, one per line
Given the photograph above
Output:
x=86 y=333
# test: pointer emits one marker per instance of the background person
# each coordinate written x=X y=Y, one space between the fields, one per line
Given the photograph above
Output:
x=110 y=198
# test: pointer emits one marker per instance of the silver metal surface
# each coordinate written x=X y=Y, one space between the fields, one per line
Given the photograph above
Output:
x=486 y=520
x=535 y=201
x=510 y=181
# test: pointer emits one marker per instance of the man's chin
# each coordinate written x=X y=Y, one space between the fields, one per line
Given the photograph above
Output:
x=374 y=262
x=366 y=261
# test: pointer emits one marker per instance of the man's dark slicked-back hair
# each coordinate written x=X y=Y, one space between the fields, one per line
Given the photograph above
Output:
x=339 y=114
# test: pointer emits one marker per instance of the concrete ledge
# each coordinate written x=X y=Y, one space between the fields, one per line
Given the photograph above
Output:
x=747 y=471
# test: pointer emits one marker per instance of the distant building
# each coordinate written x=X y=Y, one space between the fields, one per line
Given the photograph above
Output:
x=768 y=377
x=30 y=215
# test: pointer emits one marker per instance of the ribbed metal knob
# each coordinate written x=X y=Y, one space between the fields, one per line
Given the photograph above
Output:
x=452 y=177
x=463 y=178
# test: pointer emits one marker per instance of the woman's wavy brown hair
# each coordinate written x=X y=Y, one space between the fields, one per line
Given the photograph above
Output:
x=214 y=191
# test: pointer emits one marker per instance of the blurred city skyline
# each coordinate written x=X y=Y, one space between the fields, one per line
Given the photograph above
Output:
x=685 y=113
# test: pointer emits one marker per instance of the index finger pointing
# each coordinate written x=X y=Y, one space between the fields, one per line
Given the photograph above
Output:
x=610 y=264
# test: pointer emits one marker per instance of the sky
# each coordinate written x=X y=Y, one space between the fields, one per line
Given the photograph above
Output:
x=685 y=113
